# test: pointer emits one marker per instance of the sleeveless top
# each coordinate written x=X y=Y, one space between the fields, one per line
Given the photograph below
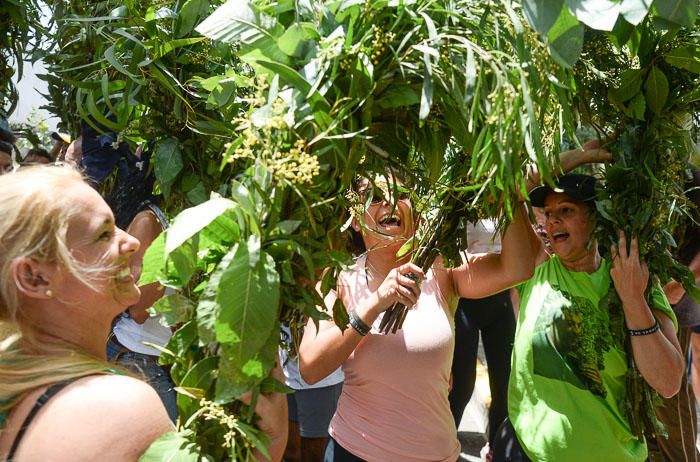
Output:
x=394 y=401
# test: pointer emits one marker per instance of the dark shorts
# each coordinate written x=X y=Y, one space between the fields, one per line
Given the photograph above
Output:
x=313 y=409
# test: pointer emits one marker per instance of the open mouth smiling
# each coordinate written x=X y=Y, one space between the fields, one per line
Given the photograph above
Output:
x=560 y=236
x=390 y=220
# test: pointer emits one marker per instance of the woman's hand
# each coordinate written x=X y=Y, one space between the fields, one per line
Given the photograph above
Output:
x=401 y=285
x=629 y=274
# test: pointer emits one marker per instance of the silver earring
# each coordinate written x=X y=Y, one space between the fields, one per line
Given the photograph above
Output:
x=49 y=293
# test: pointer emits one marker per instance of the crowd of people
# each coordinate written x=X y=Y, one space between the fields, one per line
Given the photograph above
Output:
x=79 y=381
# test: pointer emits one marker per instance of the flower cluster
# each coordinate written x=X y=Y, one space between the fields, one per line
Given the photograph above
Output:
x=213 y=411
x=296 y=165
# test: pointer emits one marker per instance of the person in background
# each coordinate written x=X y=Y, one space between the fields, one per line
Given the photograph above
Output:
x=74 y=152
x=492 y=318
x=678 y=412
x=38 y=156
x=135 y=208
x=61 y=143
x=311 y=407
x=7 y=140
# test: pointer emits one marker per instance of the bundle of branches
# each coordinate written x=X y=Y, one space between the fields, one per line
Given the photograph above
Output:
x=640 y=90
x=393 y=83
x=139 y=70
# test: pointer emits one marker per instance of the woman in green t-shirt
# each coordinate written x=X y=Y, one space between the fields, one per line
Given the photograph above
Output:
x=567 y=387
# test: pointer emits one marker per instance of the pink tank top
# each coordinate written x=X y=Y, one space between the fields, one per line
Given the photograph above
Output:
x=394 y=405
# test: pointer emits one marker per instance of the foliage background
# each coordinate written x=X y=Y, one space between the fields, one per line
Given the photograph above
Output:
x=262 y=113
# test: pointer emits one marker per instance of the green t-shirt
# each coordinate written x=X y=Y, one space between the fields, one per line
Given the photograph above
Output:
x=561 y=402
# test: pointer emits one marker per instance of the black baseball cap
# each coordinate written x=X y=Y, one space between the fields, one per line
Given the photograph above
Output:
x=581 y=187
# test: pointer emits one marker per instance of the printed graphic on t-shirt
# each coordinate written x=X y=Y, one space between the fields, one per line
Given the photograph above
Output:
x=570 y=340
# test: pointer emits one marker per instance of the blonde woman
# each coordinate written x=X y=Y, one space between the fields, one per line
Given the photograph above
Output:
x=64 y=275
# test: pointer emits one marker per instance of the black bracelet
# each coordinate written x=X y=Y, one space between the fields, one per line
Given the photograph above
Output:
x=647 y=331
x=358 y=324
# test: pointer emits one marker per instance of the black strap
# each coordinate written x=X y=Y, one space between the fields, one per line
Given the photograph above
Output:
x=50 y=392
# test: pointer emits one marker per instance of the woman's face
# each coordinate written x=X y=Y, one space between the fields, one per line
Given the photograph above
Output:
x=569 y=225
x=387 y=218
x=95 y=241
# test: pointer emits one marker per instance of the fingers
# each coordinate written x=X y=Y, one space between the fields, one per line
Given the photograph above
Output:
x=622 y=245
x=634 y=249
x=411 y=268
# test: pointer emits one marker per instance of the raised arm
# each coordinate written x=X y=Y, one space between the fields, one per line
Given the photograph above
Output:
x=486 y=274
x=657 y=353
x=324 y=350
x=590 y=152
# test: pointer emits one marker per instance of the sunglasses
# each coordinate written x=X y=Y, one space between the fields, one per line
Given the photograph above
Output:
x=376 y=195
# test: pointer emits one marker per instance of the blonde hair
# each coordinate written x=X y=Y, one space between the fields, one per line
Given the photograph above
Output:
x=34 y=215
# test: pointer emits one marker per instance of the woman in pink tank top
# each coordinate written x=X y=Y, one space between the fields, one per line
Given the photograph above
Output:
x=394 y=404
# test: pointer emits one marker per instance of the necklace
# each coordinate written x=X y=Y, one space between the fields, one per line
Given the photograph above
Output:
x=375 y=271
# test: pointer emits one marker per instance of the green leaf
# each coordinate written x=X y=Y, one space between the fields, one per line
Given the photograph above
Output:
x=398 y=96
x=637 y=107
x=193 y=220
x=191 y=12
x=172 y=447
x=565 y=39
x=687 y=57
x=290 y=42
x=208 y=308
x=233 y=380
x=542 y=14
x=111 y=57
x=597 y=14
x=248 y=296
x=233 y=21
x=630 y=85
x=681 y=12
x=656 y=90
x=153 y=261
x=426 y=96
x=175 y=308
x=168 y=163
x=165 y=48
x=183 y=338
x=200 y=376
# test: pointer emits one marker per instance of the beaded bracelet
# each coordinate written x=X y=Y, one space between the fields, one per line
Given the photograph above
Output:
x=358 y=324
x=647 y=331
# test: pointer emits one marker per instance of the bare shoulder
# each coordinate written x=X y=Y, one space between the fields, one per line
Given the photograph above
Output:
x=107 y=417
x=444 y=278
